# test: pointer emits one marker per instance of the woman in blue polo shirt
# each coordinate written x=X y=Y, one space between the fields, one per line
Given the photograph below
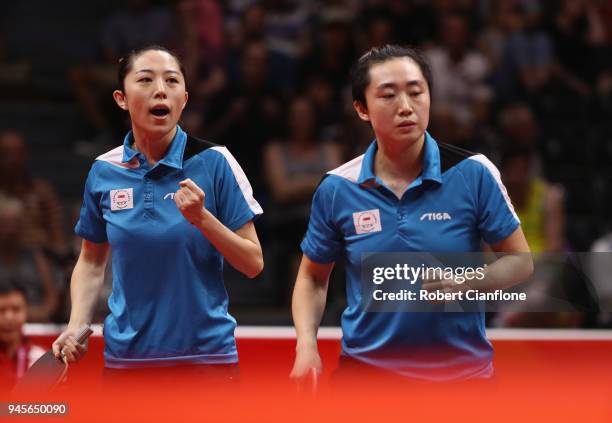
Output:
x=407 y=193
x=171 y=208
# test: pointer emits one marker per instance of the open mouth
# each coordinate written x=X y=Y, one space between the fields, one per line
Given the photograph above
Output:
x=160 y=111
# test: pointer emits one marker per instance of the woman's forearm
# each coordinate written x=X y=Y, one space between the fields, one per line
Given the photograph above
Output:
x=242 y=253
x=308 y=305
x=506 y=271
x=85 y=286
x=513 y=267
x=86 y=282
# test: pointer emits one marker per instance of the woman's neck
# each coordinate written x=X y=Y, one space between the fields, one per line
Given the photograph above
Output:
x=153 y=146
x=398 y=161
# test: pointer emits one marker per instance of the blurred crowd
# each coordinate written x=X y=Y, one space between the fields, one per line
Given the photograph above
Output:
x=526 y=82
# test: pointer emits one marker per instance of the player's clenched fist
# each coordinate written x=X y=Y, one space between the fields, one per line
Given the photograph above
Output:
x=190 y=200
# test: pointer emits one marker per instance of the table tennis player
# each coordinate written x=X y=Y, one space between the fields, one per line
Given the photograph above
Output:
x=169 y=209
x=407 y=193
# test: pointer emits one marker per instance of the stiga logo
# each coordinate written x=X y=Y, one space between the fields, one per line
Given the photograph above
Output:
x=435 y=216
x=122 y=199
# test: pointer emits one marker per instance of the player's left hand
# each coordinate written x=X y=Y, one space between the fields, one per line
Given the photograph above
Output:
x=190 y=201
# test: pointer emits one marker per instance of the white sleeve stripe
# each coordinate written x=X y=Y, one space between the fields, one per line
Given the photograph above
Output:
x=495 y=172
x=243 y=182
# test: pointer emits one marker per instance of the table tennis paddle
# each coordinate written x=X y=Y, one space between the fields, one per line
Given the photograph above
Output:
x=48 y=371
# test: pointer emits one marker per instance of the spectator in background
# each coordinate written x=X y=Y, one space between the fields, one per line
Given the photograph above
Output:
x=248 y=26
x=527 y=60
x=15 y=73
x=42 y=210
x=325 y=100
x=469 y=9
x=530 y=68
x=247 y=30
x=294 y=167
x=234 y=12
x=579 y=36
x=247 y=111
x=130 y=28
x=540 y=207
x=604 y=9
x=17 y=353
x=201 y=35
x=287 y=35
x=378 y=26
x=519 y=129
x=127 y=29
x=332 y=49
x=505 y=20
x=461 y=95
x=421 y=29
x=538 y=203
x=26 y=265
x=201 y=44
x=282 y=26
x=603 y=85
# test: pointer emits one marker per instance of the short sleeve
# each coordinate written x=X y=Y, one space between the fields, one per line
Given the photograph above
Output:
x=323 y=242
x=236 y=204
x=91 y=224
x=496 y=217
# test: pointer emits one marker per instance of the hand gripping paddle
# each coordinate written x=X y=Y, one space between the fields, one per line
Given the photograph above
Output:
x=48 y=371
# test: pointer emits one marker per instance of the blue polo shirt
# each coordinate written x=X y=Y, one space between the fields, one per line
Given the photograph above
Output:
x=168 y=304
x=354 y=213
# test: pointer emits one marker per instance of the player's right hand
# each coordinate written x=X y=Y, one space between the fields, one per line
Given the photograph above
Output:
x=66 y=348
x=305 y=360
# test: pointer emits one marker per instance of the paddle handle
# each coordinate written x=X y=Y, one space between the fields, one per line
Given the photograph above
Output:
x=83 y=334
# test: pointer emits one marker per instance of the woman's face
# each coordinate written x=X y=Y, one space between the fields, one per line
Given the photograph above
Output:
x=155 y=94
x=397 y=101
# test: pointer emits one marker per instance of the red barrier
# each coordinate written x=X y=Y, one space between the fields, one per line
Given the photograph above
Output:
x=536 y=381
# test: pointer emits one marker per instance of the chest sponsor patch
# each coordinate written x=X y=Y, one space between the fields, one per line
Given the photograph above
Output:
x=367 y=221
x=122 y=199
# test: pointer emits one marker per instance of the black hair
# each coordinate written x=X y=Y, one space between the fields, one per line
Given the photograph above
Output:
x=126 y=62
x=360 y=72
x=10 y=285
